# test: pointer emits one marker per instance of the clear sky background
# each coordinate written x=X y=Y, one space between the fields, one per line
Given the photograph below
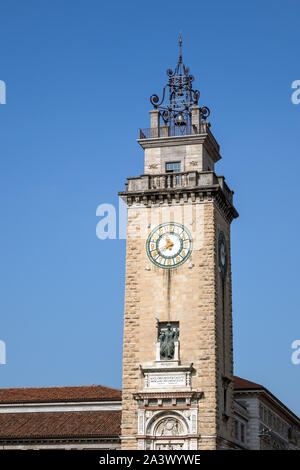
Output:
x=79 y=75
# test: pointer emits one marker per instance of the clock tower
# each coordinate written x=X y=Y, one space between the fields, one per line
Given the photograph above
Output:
x=177 y=353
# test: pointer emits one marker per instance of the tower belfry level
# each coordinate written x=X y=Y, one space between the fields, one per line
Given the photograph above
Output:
x=177 y=354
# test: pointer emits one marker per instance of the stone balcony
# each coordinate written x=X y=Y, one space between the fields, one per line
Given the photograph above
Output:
x=179 y=181
x=184 y=187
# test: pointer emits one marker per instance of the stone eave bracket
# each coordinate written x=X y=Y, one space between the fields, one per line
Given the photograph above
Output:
x=170 y=394
x=160 y=196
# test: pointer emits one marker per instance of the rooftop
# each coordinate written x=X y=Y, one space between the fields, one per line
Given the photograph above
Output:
x=59 y=394
x=59 y=425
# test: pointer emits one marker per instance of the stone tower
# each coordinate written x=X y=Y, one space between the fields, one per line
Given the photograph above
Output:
x=177 y=354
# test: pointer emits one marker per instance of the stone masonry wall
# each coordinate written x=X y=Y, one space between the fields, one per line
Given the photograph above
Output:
x=193 y=290
x=224 y=341
x=192 y=158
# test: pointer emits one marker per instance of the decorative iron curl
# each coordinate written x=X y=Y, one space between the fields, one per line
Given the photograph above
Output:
x=154 y=99
x=166 y=116
x=205 y=112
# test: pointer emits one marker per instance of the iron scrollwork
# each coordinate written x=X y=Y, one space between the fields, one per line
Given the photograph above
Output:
x=181 y=96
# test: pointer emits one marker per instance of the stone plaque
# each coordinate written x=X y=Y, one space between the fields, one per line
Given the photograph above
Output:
x=166 y=380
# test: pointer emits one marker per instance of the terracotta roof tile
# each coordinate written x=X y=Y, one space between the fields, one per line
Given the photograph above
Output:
x=59 y=394
x=243 y=384
x=65 y=424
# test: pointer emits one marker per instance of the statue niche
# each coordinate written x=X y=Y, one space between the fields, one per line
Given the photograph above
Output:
x=168 y=335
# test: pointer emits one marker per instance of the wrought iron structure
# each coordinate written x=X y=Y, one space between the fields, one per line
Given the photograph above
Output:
x=177 y=112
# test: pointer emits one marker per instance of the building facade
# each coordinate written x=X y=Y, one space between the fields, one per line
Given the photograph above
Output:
x=178 y=312
x=89 y=417
x=262 y=421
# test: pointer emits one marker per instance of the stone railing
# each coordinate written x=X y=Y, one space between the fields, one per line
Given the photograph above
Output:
x=187 y=179
x=225 y=188
x=172 y=131
x=163 y=131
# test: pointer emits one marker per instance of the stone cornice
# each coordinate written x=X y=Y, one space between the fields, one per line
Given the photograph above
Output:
x=170 y=394
x=64 y=440
x=175 y=368
x=154 y=197
x=60 y=407
x=271 y=400
x=206 y=139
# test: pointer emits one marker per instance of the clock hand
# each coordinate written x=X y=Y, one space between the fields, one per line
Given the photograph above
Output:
x=168 y=245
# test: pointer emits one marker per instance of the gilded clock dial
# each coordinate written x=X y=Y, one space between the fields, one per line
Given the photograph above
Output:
x=169 y=245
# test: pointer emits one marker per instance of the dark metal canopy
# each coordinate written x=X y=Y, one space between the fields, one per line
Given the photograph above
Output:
x=177 y=111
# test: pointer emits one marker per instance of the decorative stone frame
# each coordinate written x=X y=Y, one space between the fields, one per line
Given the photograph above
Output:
x=150 y=420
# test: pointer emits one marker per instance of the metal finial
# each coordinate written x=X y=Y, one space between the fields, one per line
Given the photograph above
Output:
x=180 y=44
x=181 y=96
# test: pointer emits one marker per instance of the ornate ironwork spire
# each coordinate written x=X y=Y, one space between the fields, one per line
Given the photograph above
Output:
x=177 y=111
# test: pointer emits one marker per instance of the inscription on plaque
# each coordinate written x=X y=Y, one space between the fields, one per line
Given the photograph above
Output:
x=162 y=380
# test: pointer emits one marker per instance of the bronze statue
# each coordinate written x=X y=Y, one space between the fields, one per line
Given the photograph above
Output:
x=167 y=339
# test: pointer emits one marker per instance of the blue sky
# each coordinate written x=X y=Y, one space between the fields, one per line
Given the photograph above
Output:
x=79 y=75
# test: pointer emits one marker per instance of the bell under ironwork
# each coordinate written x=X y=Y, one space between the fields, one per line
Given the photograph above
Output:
x=177 y=111
x=179 y=120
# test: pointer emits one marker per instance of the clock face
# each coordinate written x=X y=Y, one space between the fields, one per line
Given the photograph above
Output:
x=222 y=248
x=223 y=254
x=169 y=245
